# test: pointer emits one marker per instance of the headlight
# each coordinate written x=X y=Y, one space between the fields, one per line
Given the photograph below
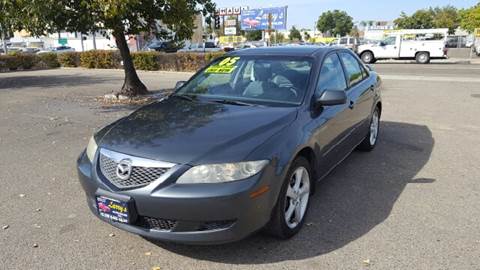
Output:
x=91 y=149
x=218 y=173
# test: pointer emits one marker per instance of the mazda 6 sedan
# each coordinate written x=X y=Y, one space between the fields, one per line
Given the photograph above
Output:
x=236 y=149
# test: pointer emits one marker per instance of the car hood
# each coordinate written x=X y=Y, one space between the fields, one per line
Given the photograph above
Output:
x=186 y=132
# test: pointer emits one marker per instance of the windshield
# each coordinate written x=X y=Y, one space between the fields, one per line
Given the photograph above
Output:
x=252 y=79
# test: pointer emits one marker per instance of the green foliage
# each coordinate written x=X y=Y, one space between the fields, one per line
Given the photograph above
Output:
x=438 y=17
x=100 y=59
x=10 y=62
x=49 y=60
x=278 y=37
x=145 y=60
x=294 y=34
x=254 y=35
x=28 y=60
x=335 y=23
x=69 y=59
x=470 y=18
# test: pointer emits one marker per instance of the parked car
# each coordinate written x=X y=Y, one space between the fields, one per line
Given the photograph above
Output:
x=419 y=44
x=201 y=47
x=237 y=148
x=351 y=43
x=162 y=46
x=60 y=49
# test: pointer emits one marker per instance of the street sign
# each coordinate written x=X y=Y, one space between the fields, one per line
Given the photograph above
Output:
x=258 y=19
x=63 y=41
x=230 y=31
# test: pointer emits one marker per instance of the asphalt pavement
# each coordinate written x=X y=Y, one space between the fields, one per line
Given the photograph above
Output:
x=412 y=203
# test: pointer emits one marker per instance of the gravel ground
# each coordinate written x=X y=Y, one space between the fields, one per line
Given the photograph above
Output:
x=413 y=203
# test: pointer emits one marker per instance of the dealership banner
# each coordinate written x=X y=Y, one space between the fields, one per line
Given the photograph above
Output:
x=257 y=19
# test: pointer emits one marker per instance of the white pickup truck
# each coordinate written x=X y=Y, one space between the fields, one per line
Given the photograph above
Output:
x=419 y=44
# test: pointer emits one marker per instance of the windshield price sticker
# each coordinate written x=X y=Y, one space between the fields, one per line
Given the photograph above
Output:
x=226 y=66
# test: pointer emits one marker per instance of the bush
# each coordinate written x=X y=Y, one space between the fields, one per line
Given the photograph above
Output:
x=100 y=59
x=11 y=61
x=145 y=60
x=69 y=59
x=28 y=60
x=49 y=60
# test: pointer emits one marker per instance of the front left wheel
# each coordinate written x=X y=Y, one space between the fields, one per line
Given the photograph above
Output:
x=289 y=213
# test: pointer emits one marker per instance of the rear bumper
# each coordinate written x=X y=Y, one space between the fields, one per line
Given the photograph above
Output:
x=191 y=214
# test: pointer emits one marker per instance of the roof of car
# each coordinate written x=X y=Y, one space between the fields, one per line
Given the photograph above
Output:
x=284 y=50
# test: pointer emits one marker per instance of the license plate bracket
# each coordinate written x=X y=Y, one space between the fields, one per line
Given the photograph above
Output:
x=114 y=210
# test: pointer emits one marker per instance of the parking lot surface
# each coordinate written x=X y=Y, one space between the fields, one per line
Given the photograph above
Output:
x=412 y=203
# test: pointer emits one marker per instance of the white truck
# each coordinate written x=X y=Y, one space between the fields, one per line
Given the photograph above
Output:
x=419 y=44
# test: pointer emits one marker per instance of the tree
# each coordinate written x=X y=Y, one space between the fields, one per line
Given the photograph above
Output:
x=470 y=18
x=335 y=23
x=172 y=19
x=306 y=36
x=278 y=37
x=421 y=19
x=9 y=13
x=294 y=34
x=253 y=35
x=446 y=17
x=438 y=17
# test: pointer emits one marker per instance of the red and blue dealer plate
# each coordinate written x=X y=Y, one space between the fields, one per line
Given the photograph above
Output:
x=113 y=210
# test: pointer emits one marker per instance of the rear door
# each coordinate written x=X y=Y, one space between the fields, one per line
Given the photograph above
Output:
x=360 y=95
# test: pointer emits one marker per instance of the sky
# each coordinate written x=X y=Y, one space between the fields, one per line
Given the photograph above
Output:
x=304 y=13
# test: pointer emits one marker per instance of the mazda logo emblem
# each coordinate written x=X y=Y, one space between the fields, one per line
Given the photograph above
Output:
x=124 y=169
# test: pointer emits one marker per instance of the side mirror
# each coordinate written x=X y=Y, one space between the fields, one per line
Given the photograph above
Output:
x=179 y=84
x=381 y=44
x=331 y=97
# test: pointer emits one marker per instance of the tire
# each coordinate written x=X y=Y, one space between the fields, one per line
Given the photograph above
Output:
x=278 y=225
x=367 y=57
x=422 y=58
x=370 y=141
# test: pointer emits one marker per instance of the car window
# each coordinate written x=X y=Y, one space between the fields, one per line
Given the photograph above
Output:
x=352 y=68
x=255 y=79
x=390 y=40
x=343 y=41
x=209 y=45
x=331 y=75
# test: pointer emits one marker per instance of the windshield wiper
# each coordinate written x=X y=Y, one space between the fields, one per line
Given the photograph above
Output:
x=233 y=102
x=184 y=97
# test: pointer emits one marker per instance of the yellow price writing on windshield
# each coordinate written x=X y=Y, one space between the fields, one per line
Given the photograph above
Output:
x=226 y=66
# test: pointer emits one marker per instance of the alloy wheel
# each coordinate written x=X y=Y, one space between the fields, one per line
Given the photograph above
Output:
x=374 y=127
x=297 y=196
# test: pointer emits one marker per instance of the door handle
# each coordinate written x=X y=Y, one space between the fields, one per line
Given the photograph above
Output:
x=351 y=105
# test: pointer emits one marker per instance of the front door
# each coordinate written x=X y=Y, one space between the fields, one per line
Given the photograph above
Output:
x=388 y=48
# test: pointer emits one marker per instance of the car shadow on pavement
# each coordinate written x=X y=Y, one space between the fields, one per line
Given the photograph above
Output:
x=19 y=82
x=357 y=196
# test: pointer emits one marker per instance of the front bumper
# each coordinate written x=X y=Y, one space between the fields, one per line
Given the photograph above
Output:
x=191 y=214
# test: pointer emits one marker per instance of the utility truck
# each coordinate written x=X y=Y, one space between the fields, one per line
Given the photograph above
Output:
x=418 y=44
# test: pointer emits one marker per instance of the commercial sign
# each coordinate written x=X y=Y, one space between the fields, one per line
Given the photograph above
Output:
x=258 y=19
x=230 y=23
x=230 y=31
x=231 y=39
x=230 y=11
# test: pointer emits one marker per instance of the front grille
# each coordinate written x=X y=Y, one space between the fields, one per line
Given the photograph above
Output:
x=158 y=224
x=140 y=176
x=216 y=225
